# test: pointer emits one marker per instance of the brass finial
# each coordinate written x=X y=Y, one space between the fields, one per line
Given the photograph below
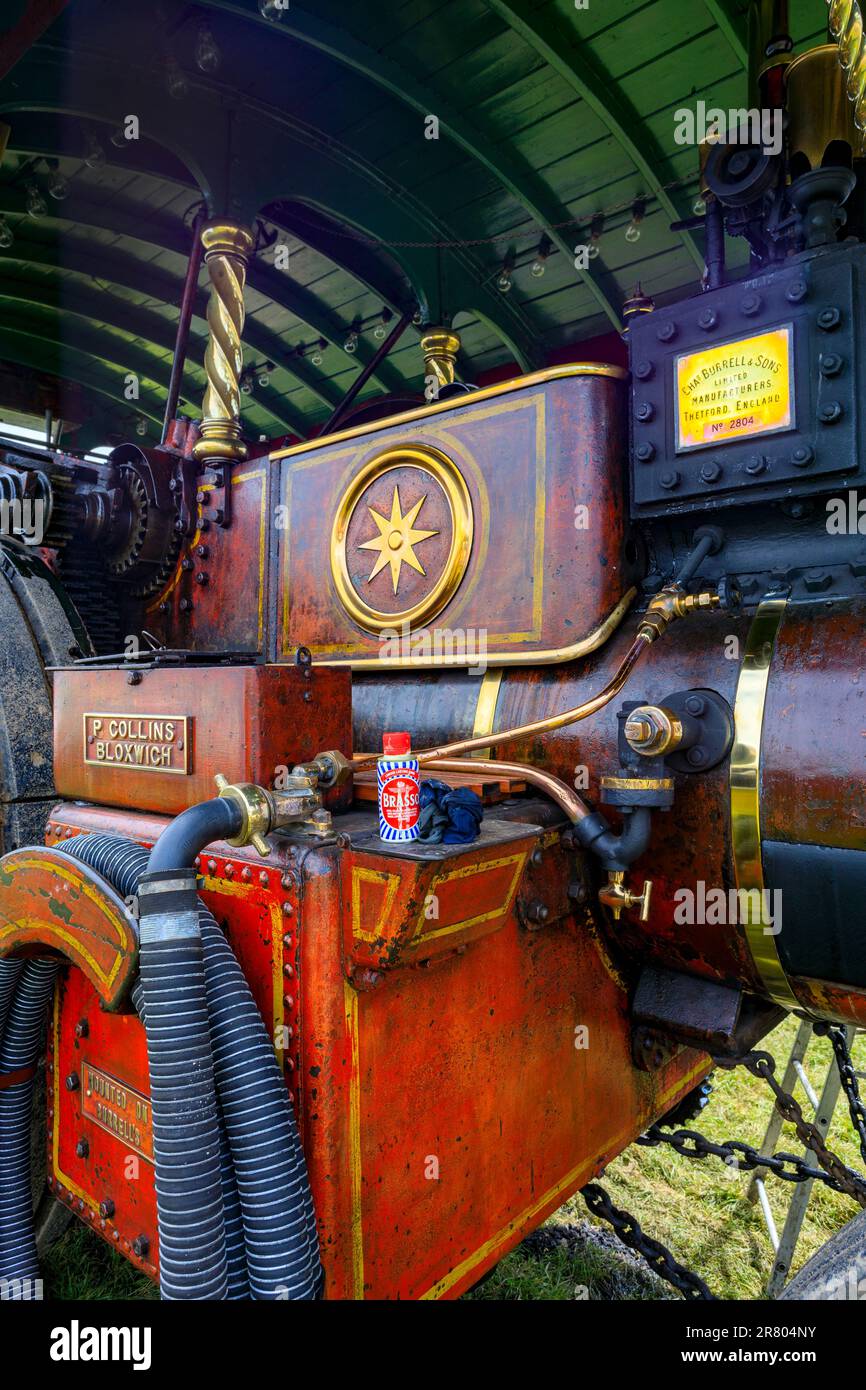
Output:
x=440 y=348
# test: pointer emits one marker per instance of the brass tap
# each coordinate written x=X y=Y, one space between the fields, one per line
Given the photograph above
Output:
x=263 y=810
x=618 y=898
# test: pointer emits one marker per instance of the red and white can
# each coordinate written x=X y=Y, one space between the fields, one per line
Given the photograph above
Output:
x=399 y=782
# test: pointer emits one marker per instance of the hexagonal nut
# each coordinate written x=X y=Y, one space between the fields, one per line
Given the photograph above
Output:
x=339 y=768
x=730 y=593
x=645 y=728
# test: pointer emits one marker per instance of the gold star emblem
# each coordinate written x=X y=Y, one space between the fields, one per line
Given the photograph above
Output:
x=396 y=539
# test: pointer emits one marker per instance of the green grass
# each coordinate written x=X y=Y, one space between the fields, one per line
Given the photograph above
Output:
x=698 y=1209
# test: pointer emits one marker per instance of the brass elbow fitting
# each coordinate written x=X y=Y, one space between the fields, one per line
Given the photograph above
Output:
x=671 y=603
x=618 y=898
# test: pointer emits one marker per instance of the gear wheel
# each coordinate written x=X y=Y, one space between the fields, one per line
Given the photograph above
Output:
x=132 y=563
x=690 y=1107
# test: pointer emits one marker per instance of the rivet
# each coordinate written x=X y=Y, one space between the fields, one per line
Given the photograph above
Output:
x=82 y=1148
x=287 y=909
x=246 y=873
x=288 y=1001
x=644 y=370
x=287 y=942
x=211 y=866
x=141 y=1247
x=196 y=863
x=666 y=331
x=708 y=319
x=230 y=870
x=288 y=972
x=106 y=1208
x=290 y=1066
x=263 y=879
x=696 y=756
x=82 y=1028
x=797 y=291
x=73 y=1081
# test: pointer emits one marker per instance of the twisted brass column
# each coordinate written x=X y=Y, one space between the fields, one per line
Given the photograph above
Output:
x=440 y=348
x=227 y=249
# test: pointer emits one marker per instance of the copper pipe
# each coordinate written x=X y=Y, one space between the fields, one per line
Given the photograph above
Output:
x=538 y=726
x=560 y=792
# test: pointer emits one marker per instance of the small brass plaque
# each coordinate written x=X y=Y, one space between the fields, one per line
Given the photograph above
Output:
x=138 y=742
x=736 y=391
x=118 y=1109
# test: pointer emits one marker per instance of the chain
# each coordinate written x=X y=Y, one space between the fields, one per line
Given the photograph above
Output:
x=848 y=1077
x=690 y=1144
x=761 y=1064
x=657 y=1256
x=743 y=1157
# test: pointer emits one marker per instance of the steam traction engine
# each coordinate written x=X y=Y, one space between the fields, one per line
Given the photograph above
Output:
x=625 y=611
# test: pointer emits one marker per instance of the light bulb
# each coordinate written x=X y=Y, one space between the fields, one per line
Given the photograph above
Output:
x=264 y=379
x=207 y=54
x=379 y=332
x=538 y=267
x=118 y=138
x=504 y=283
x=246 y=385
x=632 y=231
x=141 y=426
x=316 y=357
x=36 y=205
x=175 y=78
x=95 y=157
x=6 y=237
x=699 y=206
x=58 y=186
x=593 y=249
x=273 y=9
x=351 y=343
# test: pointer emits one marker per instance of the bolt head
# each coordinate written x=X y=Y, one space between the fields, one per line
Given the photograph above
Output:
x=106 y=1209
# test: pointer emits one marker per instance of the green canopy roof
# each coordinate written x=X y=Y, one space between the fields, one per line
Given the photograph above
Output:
x=392 y=154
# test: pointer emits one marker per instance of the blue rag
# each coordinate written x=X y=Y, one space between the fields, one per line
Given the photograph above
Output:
x=448 y=815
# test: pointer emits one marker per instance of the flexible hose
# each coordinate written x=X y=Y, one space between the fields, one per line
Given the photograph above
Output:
x=20 y=1049
x=189 y=1202
x=279 y=1227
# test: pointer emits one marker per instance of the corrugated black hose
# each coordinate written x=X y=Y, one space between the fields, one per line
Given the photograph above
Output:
x=279 y=1228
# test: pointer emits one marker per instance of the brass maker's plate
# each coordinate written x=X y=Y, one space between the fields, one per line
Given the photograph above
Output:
x=402 y=538
x=118 y=1109
x=735 y=390
x=138 y=742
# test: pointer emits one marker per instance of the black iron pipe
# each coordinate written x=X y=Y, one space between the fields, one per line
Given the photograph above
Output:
x=366 y=372
x=190 y=286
